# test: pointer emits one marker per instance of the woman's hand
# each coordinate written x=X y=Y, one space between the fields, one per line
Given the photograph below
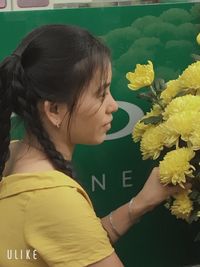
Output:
x=153 y=192
x=151 y=195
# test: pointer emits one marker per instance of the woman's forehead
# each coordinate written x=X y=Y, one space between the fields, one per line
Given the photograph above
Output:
x=101 y=80
x=103 y=75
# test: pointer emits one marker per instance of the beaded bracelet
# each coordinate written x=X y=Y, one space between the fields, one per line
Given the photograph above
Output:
x=113 y=225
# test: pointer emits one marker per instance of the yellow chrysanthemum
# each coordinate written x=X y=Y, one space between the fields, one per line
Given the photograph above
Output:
x=140 y=127
x=176 y=166
x=172 y=89
x=182 y=206
x=198 y=38
x=195 y=137
x=155 y=111
x=190 y=77
x=182 y=125
x=152 y=143
x=141 y=77
x=139 y=130
x=179 y=104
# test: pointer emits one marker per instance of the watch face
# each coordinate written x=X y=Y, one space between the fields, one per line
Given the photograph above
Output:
x=32 y=3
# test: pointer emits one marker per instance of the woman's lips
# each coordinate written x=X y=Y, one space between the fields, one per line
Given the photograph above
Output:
x=107 y=126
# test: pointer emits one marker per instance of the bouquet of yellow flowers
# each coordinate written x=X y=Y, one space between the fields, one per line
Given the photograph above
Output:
x=170 y=132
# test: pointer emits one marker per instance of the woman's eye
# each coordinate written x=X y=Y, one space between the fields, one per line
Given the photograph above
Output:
x=105 y=92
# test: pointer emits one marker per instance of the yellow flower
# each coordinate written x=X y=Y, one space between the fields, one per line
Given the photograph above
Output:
x=172 y=89
x=155 y=111
x=198 y=38
x=182 y=206
x=141 y=77
x=179 y=104
x=176 y=166
x=195 y=137
x=152 y=143
x=182 y=125
x=139 y=130
x=190 y=77
x=140 y=127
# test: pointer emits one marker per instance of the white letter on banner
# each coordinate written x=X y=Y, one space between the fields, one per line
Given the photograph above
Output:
x=102 y=184
x=9 y=254
x=135 y=114
x=35 y=254
x=125 y=179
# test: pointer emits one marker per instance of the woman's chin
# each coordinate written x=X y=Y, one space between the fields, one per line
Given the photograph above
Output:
x=99 y=140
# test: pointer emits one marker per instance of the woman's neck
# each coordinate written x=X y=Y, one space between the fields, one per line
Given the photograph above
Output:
x=64 y=149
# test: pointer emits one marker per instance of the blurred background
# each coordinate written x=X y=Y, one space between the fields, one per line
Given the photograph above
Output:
x=13 y=5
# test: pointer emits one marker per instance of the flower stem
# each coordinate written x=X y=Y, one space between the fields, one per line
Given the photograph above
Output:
x=157 y=99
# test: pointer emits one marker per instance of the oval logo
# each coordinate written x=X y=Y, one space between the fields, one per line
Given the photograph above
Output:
x=134 y=113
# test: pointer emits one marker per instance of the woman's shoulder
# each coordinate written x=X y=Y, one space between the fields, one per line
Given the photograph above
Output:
x=41 y=180
x=58 y=191
x=70 y=187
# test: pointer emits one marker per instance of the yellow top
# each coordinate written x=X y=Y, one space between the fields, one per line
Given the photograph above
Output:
x=47 y=219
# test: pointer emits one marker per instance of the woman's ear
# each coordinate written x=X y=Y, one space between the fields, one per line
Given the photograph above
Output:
x=54 y=112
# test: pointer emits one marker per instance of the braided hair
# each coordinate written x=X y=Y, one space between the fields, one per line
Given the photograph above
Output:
x=55 y=63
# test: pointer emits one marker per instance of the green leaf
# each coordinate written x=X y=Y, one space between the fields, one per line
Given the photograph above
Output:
x=152 y=120
x=198 y=176
x=182 y=93
x=159 y=84
x=169 y=202
x=194 y=195
x=197 y=238
x=167 y=205
x=146 y=96
x=195 y=57
x=193 y=217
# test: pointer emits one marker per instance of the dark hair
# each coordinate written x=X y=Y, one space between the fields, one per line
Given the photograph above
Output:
x=55 y=63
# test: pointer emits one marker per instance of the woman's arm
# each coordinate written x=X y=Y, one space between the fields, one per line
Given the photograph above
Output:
x=151 y=195
x=121 y=221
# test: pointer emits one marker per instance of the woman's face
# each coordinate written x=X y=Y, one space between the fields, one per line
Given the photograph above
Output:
x=92 y=117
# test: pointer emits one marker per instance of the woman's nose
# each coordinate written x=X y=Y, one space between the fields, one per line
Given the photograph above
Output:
x=112 y=105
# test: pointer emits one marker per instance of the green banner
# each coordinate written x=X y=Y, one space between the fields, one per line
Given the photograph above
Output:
x=113 y=172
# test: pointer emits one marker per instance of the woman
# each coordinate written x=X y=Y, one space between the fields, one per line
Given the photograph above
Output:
x=58 y=82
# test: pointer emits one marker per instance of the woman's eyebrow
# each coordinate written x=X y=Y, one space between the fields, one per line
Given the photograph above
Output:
x=105 y=85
